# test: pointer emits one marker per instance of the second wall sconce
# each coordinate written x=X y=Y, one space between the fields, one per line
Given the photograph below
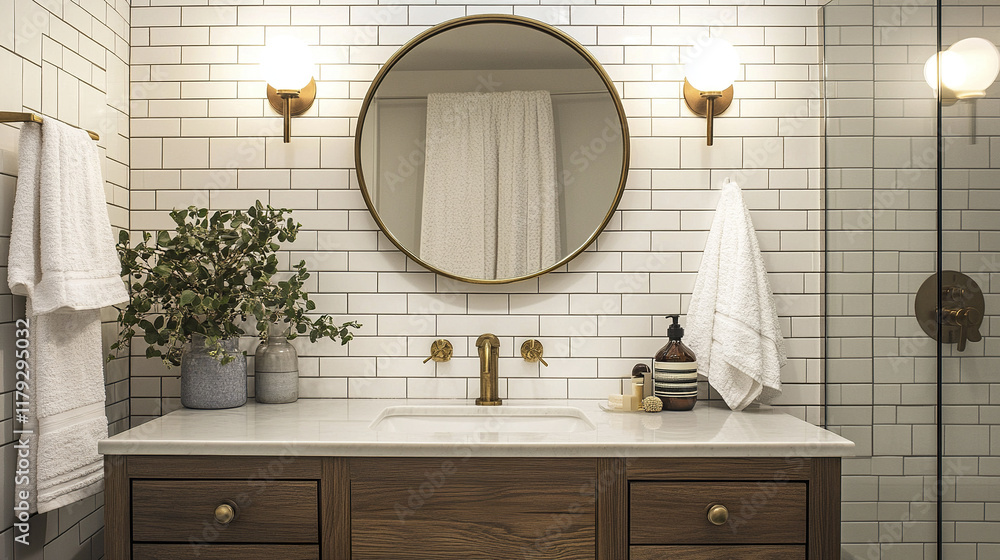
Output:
x=968 y=68
x=288 y=68
x=709 y=76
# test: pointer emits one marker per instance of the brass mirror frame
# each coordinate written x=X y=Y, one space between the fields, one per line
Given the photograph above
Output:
x=471 y=20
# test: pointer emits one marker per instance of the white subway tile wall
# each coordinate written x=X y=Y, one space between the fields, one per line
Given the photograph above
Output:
x=205 y=135
x=881 y=203
x=68 y=61
x=880 y=367
x=971 y=391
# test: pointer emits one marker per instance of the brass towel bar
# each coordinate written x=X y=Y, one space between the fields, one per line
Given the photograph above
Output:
x=7 y=116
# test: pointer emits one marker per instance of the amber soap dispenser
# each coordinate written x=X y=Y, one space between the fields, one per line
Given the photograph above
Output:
x=675 y=371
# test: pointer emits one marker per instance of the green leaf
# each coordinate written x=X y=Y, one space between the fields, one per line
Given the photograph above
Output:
x=162 y=270
x=187 y=296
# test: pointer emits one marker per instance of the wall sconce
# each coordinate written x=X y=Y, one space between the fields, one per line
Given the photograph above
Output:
x=288 y=68
x=968 y=68
x=709 y=76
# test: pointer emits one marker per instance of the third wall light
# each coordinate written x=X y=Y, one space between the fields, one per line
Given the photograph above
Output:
x=967 y=69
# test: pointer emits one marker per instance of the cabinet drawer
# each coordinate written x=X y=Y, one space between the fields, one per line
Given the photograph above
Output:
x=786 y=552
x=283 y=511
x=475 y=508
x=677 y=512
x=226 y=552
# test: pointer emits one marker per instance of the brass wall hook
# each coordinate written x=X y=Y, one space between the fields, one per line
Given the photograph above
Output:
x=441 y=351
x=532 y=350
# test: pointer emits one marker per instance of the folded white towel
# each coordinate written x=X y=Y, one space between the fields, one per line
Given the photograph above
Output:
x=62 y=251
x=732 y=324
x=63 y=258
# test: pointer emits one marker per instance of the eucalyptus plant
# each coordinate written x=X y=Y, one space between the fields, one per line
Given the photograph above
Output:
x=214 y=274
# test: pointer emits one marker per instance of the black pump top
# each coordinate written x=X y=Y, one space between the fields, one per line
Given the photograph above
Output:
x=675 y=331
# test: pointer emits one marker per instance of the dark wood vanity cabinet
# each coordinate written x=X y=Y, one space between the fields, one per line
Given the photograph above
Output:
x=298 y=508
x=774 y=508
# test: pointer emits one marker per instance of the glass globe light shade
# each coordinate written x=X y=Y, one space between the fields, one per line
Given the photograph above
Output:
x=953 y=70
x=982 y=63
x=286 y=63
x=714 y=65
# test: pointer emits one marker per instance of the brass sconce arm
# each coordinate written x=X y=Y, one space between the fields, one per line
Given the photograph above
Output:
x=708 y=104
x=291 y=103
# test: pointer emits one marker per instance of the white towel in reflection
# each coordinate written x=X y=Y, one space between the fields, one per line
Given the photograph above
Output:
x=490 y=155
x=732 y=324
x=63 y=258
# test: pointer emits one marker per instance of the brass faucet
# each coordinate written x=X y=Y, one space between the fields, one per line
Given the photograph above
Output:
x=489 y=352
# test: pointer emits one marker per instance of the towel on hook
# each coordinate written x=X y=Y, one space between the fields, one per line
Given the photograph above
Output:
x=63 y=258
x=732 y=324
x=62 y=251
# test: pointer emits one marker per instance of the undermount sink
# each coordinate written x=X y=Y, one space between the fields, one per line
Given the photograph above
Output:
x=476 y=419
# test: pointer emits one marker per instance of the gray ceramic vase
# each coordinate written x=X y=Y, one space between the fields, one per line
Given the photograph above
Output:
x=206 y=383
x=276 y=370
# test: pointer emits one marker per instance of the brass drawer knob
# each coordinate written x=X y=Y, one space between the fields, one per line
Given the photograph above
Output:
x=225 y=513
x=718 y=514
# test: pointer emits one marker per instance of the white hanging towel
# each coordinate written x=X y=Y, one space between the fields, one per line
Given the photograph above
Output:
x=732 y=324
x=490 y=155
x=63 y=259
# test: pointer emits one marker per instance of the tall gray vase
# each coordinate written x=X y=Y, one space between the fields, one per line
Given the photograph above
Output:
x=206 y=383
x=276 y=370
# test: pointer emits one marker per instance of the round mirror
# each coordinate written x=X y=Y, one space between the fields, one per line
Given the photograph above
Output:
x=492 y=149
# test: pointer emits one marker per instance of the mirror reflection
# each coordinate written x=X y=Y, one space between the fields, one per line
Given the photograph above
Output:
x=492 y=150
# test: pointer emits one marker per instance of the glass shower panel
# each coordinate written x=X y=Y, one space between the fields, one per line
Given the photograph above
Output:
x=970 y=238
x=881 y=168
x=849 y=74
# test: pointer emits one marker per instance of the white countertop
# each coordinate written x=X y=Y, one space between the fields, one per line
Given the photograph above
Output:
x=342 y=427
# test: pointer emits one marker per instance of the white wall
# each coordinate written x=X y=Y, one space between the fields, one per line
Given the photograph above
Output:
x=203 y=134
x=66 y=60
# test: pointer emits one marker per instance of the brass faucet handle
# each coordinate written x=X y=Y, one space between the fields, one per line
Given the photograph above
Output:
x=970 y=318
x=532 y=350
x=441 y=351
x=967 y=319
